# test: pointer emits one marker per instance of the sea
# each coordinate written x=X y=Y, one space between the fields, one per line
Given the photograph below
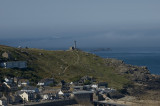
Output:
x=146 y=56
x=139 y=56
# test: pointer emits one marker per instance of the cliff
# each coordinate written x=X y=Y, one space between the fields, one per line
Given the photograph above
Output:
x=141 y=78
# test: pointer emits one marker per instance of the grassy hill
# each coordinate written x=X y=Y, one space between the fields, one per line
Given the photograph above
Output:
x=62 y=65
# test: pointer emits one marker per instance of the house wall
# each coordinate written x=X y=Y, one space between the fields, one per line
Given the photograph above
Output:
x=0 y=102
x=28 y=90
x=45 y=97
x=8 y=80
x=31 y=90
x=14 y=64
x=48 y=83
x=39 y=83
x=3 y=103
x=24 y=96
x=55 y=103
x=5 y=55
x=84 y=98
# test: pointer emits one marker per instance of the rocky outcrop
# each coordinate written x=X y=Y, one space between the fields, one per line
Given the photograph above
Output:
x=135 y=73
x=115 y=95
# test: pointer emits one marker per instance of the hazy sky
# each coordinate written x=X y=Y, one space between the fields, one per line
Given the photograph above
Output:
x=93 y=23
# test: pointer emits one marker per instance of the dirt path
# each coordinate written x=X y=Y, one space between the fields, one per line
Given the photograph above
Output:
x=77 y=61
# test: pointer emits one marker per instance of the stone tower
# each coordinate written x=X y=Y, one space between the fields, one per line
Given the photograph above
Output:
x=75 y=45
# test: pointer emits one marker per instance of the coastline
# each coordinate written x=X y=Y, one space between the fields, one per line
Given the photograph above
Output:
x=139 y=82
x=145 y=57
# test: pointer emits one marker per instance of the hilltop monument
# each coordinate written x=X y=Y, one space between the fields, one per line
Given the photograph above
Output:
x=74 y=47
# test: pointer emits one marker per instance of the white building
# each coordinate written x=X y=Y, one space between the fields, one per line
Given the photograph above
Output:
x=60 y=93
x=3 y=103
x=94 y=86
x=45 y=97
x=9 y=80
x=14 y=64
x=24 y=96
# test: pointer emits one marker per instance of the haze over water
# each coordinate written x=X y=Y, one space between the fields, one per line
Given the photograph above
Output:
x=93 y=23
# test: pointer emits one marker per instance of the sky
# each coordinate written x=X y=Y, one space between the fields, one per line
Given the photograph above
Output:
x=92 y=23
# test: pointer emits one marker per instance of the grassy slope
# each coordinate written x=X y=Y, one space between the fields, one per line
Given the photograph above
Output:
x=61 y=65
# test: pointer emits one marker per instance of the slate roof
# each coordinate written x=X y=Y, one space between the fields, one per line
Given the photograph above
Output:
x=29 y=88
x=46 y=80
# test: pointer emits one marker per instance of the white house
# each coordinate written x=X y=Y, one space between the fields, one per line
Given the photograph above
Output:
x=9 y=80
x=45 y=96
x=94 y=86
x=60 y=93
x=24 y=96
x=14 y=64
x=3 y=102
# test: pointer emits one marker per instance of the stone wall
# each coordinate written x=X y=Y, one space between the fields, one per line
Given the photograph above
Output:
x=55 y=103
